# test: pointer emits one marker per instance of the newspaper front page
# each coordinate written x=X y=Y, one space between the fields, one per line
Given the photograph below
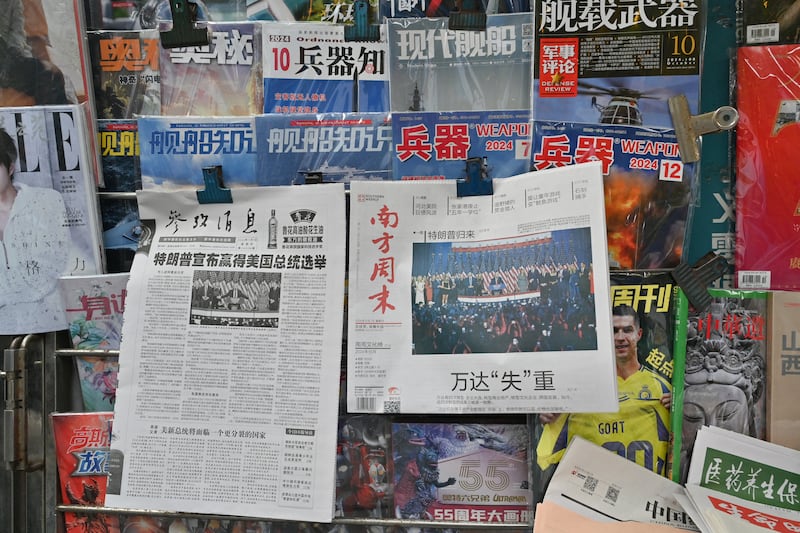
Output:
x=599 y=484
x=740 y=483
x=479 y=304
x=231 y=353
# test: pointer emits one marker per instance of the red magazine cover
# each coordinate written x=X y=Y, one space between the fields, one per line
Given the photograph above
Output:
x=767 y=190
x=82 y=442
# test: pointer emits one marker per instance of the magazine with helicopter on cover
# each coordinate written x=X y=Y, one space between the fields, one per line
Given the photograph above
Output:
x=620 y=67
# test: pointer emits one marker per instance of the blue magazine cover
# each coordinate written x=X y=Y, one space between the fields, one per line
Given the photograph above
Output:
x=433 y=68
x=174 y=151
x=648 y=190
x=336 y=147
x=309 y=68
x=438 y=145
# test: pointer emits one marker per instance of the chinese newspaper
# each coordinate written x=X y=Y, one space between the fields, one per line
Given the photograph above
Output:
x=594 y=481
x=435 y=277
x=231 y=352
x=740 y=483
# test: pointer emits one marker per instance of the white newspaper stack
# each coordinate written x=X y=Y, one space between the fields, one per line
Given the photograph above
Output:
x=599 y=484
x=741 y=484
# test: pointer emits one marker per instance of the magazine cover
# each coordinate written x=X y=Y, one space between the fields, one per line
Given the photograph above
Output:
x=69 y=147
x=462 y=304
x=647 y=323
x=81 y=448
x=98 y=381
x=155 y=14
x=364 y=467
x=443 y=8
x=461 y=471
x=783 y=369
x=43 y=59
x=771 y=22
x=94 y=307
x=466 y=144
x=331 y=11
x=618 y=68
x=51 y=227
x=432 y=68
x=119 y=150
x=174 y=151
x=125 y=73
x=767 y=197
x=725 y=372
x=218 y=79
x=310 y=68
x=336 y=147
x=648 y=190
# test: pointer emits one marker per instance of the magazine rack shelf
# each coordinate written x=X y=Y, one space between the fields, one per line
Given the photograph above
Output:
x=63 y=362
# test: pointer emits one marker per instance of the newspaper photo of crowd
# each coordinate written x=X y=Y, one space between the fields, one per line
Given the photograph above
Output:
x=232 y=298
x=524 y=294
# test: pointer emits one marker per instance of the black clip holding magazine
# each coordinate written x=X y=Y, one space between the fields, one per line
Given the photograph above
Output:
x=695 y=280
x=361 y=29
x=184 y=32
x=477 y=182
x=468 y=15
x=214 y=192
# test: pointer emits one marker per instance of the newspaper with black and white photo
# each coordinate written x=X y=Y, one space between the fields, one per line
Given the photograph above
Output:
x=231 y=353
x=481 y=304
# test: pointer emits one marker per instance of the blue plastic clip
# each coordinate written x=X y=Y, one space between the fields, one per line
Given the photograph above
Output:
x=183 y=32
x=468 y=15
x=477 y=182
x=361 y=29
x=214 y=193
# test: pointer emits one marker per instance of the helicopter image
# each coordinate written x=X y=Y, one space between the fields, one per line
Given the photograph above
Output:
x=623 y=104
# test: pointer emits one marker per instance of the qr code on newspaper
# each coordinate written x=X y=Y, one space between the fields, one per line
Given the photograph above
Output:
x=391 y=407
x=612 y=494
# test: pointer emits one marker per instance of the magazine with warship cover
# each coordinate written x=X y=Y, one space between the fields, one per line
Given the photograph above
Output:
x=125 y=73
x=222 y=78
x=174 y=151
x=648 y=190
x=461 y=144
x=725 y=372
x=119 y=150
x=333 y=147
x=618 y=68
x=52 y=228
x=310 y=68
x=433 y=68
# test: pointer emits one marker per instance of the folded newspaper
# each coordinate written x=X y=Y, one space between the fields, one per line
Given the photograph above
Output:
x=742 y=484
x=601 y=485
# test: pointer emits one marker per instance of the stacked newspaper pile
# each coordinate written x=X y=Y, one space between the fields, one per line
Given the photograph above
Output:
x=739 y=483
x=594 y=489
x=736 y=484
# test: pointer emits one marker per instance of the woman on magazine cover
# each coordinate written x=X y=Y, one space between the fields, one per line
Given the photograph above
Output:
x=34 y=248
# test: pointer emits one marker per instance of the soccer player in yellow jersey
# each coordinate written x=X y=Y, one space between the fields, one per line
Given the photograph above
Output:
x=639 y=431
